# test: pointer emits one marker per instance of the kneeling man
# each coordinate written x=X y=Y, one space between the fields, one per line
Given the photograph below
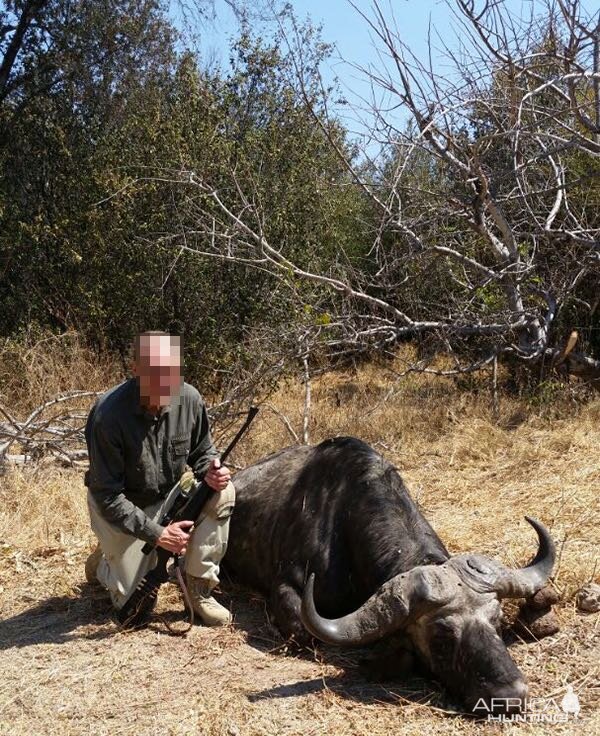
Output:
x=140 y=436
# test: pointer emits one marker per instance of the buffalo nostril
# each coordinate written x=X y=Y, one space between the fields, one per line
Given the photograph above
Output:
x=503 y=700
x=509 y=698
x=515 y=695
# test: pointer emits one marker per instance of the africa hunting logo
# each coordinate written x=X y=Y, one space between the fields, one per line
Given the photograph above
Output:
x=535 y=710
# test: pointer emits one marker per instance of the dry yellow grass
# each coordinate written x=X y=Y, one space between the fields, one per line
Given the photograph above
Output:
x=42 y=365
x=66 y=668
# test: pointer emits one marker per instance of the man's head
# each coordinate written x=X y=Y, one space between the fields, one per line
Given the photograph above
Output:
x=157 y=366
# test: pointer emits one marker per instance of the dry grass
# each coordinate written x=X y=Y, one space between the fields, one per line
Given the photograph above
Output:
x=42 y=365
x=66 y=668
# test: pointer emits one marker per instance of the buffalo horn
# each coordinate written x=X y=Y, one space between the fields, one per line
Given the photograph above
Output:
x=525 y=581
x=381 y=614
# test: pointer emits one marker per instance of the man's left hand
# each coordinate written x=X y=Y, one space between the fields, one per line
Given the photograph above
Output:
x=217 y=477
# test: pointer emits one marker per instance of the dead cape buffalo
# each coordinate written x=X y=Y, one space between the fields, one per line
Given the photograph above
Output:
x=332 y=537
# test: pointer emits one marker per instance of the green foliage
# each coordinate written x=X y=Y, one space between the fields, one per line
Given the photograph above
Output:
x=92 y=208
x=99 y=217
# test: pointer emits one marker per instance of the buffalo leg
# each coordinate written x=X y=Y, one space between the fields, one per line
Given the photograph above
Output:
x=392 y=659
x=284 y=609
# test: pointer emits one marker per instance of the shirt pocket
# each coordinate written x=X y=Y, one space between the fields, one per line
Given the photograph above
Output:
x=180 y=446
x=179 y=449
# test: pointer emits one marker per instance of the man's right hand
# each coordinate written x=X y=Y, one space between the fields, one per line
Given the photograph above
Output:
x=175 y=537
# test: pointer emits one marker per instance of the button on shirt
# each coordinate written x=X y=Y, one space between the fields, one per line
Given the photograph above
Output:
x=137 y=457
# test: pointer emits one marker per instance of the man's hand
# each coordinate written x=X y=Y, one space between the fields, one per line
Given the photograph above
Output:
x=217 y=477
x=175 y=536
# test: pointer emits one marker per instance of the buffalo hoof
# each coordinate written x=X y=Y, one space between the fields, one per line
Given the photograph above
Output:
x=588 y=598
x=543 y=599
x=532 y=624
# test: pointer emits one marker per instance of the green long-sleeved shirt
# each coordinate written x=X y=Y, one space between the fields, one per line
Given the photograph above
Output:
x=136 y=457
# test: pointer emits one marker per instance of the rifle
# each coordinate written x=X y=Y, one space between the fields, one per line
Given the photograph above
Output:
x=185 y=507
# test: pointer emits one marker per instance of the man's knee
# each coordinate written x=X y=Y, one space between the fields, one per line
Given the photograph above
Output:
x=221 y=504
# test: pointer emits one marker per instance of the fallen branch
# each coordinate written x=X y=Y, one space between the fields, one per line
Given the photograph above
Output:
x=61 y=435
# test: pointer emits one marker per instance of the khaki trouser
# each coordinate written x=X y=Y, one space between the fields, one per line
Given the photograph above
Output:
x=123 y=564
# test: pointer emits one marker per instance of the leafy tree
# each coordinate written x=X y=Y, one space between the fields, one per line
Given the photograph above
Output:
x=99 y=231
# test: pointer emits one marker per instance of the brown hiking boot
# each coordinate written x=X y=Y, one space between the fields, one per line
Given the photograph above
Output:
x=91 y=566
x=205 y=606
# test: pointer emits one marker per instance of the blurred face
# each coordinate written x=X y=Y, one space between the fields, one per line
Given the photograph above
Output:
x=158 y=370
